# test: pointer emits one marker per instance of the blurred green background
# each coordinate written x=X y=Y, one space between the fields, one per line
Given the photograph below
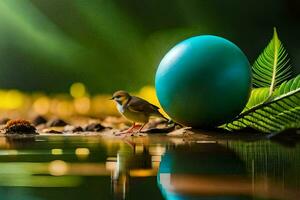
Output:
x=46 y=45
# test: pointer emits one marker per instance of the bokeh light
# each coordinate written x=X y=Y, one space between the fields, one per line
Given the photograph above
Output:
x=58 y=168
x=11 y=99
x=56 y=151
x=41 y=105
x=18 y=104
x=77 y=90
x=82 y=153
x=82 y=105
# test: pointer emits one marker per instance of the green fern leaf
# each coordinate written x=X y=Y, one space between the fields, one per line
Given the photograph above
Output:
x=258 y=95
x=272 y=67
x=280 y=113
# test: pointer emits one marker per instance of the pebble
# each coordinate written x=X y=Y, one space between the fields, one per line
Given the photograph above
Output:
x=39 y=120
x=3 y=121
x=54 y=131
x=57 y=122
x=73 y=129
x=94 y=127
x=19 y=126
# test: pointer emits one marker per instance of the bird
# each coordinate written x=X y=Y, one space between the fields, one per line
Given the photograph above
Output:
x=135 y=109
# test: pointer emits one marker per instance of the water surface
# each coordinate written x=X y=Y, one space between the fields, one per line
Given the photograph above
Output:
x=155 y=167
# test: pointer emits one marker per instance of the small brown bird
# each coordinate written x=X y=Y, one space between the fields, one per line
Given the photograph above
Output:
x=135 y=109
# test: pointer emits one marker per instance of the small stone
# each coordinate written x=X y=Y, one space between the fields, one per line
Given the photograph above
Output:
x=181 y=132
x=54 y=131
x=78 y=129
x=73 y=129
x=57 y=122
x=39 y=120
x=4 y=120
x=57 y=129
x=94 y=127
x=19 y=127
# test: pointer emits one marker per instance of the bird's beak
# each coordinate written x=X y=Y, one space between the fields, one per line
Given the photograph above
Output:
x=111 y=98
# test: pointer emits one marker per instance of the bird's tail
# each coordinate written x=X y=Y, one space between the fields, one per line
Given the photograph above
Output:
x=170 y=121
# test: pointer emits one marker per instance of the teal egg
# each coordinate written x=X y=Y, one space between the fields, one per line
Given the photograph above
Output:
x=203 y=81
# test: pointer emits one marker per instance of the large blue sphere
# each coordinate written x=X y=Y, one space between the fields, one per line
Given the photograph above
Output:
x=203 y=81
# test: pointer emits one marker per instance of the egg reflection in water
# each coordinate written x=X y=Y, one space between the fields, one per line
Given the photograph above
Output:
x=211 y=171
x=181 y=177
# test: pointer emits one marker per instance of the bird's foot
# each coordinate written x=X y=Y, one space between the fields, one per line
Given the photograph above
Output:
x=129 y=132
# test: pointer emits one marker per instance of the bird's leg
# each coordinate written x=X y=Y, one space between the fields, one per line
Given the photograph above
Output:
x=131 y=133
x=140 y=129
x=130 y=130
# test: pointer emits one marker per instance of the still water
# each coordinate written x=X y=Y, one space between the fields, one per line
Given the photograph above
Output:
x=141 y=168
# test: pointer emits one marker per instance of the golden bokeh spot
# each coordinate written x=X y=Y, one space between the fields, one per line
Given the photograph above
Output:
x=82 y=105
x=62 y=108
x=11 y=99
x=58 y=168
x=82 y=153
x=56 y=151
x=41 y=105
x=77 y=90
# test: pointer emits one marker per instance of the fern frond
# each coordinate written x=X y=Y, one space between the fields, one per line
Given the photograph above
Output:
x=273 y=116
x=272 y=67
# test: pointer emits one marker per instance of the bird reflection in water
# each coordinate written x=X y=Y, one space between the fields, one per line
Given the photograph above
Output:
x=141 y=160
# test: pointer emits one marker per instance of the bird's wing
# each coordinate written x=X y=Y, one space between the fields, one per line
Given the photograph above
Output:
x=137 y=104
